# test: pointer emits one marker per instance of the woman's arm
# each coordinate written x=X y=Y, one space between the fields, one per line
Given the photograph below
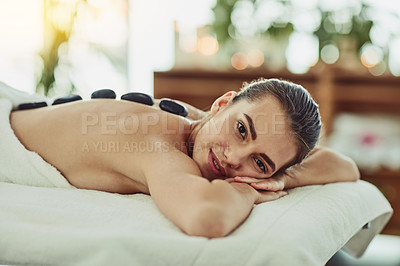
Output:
x=322 y=166
x=197 y=206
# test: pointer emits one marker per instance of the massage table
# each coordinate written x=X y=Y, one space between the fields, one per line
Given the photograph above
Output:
x=46 y=221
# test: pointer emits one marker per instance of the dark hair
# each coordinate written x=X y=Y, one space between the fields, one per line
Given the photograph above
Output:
x=302 y=111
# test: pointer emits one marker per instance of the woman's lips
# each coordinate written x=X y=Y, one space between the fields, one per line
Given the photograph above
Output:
x=215 y=165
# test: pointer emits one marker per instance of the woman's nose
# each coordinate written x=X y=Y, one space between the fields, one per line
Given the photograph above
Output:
x=232 y=157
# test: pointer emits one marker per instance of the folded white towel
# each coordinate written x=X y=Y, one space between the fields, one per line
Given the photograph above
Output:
x=17 y=97
x=17 y=164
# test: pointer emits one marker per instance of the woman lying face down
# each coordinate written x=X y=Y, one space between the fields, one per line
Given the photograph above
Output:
x=204 y=175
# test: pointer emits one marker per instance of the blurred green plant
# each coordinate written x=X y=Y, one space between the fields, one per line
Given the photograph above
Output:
x=226 y=29
x=282 y=14
x=64 y=22
x=222 y=19
x=358 y=28
x=50 y=62
x=59 y=20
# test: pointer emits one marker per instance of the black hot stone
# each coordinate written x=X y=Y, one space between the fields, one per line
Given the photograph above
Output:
x=138 y=97
x=173 y=107
x=103 y=94
x=67 y=99
x=25 y=106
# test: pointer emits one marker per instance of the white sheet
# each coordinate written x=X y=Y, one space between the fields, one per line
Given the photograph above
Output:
x=51 y=226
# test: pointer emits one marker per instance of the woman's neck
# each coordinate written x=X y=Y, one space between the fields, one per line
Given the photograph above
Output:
x=194 y=130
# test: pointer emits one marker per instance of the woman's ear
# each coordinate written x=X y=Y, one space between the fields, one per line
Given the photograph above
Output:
x=222 y=101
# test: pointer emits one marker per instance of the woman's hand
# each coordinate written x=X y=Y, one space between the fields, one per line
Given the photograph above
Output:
x=276 y=183
x=255 y=187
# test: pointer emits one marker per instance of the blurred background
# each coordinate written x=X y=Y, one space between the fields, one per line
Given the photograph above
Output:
x=345 y=52
x=46 y=43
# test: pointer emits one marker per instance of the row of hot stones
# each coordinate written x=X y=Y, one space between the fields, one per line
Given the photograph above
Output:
x=165 y=104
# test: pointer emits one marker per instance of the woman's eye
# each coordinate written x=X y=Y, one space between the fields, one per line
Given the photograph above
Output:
x=260 y=165
x=242 y=129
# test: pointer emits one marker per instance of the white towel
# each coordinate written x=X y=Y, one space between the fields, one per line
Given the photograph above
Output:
x=17 y=164
x=17 y=97
x=57 y=226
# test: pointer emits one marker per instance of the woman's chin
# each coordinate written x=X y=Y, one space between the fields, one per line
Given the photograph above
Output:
x=206 y=174
x=211 y=177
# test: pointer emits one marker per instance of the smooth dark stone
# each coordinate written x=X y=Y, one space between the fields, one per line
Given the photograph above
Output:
x=173 y=107
x=103 y=94
x=26 y=106
x=67 y=99
x=138 y=97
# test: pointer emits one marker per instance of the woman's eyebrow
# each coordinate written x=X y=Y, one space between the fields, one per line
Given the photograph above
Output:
x=251 y=125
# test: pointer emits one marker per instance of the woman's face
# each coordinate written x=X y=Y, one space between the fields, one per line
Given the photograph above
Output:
x=244 y=139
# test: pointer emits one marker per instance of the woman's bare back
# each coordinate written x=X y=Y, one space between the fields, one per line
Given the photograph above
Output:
x=101 y=144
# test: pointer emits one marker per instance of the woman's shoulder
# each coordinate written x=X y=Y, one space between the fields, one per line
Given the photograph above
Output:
x=154 y=156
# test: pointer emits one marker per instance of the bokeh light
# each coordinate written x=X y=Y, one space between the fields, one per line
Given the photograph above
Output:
x=255 y=57
x=239 y=61
x=394 y=57
x=302 y=52
x=378 y=70
x=307 y=21
x=371 y=55
x=241 y=18
x=189 y=43
x=207 y=45
x=330 y=53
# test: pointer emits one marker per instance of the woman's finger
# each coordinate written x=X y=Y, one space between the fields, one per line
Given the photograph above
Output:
x=230 y=179
x=270 y=196
x=270 y=184
x=246 y=179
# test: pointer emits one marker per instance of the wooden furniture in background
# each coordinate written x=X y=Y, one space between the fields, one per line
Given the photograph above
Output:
x=335 y=91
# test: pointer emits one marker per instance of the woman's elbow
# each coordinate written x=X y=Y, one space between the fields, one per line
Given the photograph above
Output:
x=354 y=170
x=208 y=222
x=350 y=169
